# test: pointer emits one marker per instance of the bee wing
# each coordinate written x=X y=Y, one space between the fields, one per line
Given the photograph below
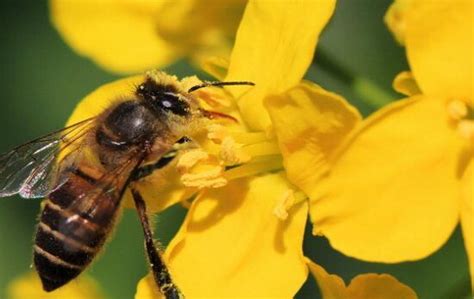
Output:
x=108 y=189
x=31 y=170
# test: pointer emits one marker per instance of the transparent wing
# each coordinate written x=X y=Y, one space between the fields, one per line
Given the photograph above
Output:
x=31 y=170
x=100 y=200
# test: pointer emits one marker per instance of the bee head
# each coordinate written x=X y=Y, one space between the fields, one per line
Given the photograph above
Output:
x=164 y=99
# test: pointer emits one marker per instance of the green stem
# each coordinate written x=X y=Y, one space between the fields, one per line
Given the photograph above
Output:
x=366 y=89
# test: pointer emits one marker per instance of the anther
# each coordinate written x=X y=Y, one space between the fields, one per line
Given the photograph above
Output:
x=457 y=109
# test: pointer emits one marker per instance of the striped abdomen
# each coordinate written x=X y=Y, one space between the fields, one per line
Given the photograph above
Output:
x=73 y=227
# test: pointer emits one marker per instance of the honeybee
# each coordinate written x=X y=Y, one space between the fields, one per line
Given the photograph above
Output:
x=83 y=170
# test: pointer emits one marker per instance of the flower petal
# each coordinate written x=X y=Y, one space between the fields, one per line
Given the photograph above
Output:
x=467 y=215
x=406 y=84
x=331 y=286
x=29 y=286
x=393 y=191
x=160 y=190
x=147 y=289
x=194 y=22
x=232 y=244
x=378 y=286
x=274 y=46
x=215 y=66
x=363 y=286
x=121 y=36
x=101 y=98
x=310 y=123
x=439 y=47
x=396 y=18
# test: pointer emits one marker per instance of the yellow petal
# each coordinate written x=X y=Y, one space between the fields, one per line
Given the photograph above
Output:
x=231 y=244
x=161 y=190
x=363 y=286
x=378 y=286
x=439 y=38
x=121 y=36
x=406 y=84
x=195 y=22
x=467 y=215
x=396 y=18
x=214 y=66
x=274 y=46
x=310 y=123
x=393 y=191
x=29 y=286
x=101 y=98
x=331 y=286
x=147 y=289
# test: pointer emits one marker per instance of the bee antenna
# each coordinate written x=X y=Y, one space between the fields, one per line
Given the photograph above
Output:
x=219 y=83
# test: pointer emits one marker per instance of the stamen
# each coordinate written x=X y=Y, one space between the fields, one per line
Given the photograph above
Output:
x=265 y=148
x=210 y=178
x=254 y=168
x=249 y=138
x=240 y=147
x=191 y=158
x=215 y=97
x=200 y=170
x=457 y=109
x=232 y=153
x=217 y=133
x=466 y=130
x=286 y=202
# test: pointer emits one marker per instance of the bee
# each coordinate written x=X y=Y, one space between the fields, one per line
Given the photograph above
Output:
x=83 y=171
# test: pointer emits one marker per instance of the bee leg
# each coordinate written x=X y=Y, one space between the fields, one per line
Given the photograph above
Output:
x=158 y=267
x=144 y=171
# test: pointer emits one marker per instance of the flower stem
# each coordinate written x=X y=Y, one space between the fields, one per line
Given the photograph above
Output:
x=367 y=90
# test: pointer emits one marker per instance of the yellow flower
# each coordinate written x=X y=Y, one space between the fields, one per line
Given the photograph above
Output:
x=127 y=36
x=29 y=286
x=404 y=180
x=244 y=230
x=362 y=286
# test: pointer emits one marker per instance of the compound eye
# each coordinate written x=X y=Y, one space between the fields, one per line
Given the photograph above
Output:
x=171 y=102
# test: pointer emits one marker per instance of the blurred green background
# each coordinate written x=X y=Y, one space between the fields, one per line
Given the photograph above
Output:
x=42 y=80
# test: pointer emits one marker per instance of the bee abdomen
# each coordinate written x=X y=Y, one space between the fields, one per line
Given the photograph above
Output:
x=64 y=246
x=53 y=271
x=68 y=238
x=80 y=179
